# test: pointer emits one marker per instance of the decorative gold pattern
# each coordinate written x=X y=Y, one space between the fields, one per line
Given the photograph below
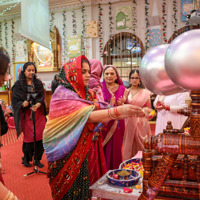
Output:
x=56 y=50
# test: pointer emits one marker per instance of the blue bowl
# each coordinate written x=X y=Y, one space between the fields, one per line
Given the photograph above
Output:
x=132 y=180
x=136 y=160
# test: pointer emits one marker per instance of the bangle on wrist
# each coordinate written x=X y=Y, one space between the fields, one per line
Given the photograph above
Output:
x=116 y=112
x=167 y=108
x=109 y=114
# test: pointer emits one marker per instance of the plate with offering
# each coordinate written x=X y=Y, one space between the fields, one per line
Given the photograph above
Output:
x=133 y=164
x=123 y=177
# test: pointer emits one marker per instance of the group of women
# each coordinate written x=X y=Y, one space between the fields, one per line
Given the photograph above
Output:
x=82 y=124
x=91 y=128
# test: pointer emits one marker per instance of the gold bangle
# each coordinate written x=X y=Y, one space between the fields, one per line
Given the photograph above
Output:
x=109 y=113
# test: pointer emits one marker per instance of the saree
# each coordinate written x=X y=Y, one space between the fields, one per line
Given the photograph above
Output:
x=67 y=136
x=96 y=158
x=115 y=128
x=137 y=128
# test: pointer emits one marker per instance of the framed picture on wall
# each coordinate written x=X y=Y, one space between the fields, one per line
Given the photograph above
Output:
x=18 y=66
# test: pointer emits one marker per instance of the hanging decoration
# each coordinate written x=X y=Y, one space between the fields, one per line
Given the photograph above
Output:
x=134 y=17
x=12 y=36
x=0 y=34
x=83 y=31
x=91 y=29
x=147 y=33
x=174 y=16
x=6 y=34
x=123 y=17
x=64 y=37
x=164 y=21
x=74 y=22
x=111 y=20
x=100 y=30
x=51 y=21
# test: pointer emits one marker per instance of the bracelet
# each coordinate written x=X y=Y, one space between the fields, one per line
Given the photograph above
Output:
x=109 y=114
x=167 y=108
x=116 y=112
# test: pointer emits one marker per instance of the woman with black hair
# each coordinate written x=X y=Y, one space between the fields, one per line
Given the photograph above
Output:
x=22 y=106
x=54 y=83
x=136 y=128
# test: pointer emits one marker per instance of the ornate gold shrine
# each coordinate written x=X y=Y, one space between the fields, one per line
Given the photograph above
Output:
x=45 y=59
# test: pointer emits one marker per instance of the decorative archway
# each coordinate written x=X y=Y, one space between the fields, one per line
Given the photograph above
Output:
x=125 y=51
x=182 y=30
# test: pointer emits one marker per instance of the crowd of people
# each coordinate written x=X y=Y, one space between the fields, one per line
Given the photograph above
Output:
x=92 y=125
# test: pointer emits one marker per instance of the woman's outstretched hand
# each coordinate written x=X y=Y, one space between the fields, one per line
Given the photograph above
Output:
x=132 y=111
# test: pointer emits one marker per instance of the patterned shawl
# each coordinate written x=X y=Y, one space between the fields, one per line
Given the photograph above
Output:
x=70 y=108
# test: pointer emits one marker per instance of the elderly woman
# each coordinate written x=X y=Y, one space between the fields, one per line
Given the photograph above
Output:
x=115 y=94
x=74 y=113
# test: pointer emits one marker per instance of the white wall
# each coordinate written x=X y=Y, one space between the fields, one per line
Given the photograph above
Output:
x=92 y=13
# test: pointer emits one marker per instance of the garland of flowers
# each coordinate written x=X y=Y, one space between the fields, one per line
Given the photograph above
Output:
x=64 y=37
x=51 y=21
x=100 y=29
x=0 y=34
x=164 y=21
x=83 y=30
x=147 y=33
x=110 y=19
x=74 y=22
x=12 y=36
x=174 y=16
x=6 y=34
x=25 y=46
x=134 y=17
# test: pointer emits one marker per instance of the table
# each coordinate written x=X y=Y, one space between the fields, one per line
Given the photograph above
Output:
x=103 y=189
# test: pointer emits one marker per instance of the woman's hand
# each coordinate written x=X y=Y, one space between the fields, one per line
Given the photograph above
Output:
x=159 y=105
x=131 y=111
x=121 y=101
x=112 y=100
x=147 y=111
x=35 y=107
x=25 y=104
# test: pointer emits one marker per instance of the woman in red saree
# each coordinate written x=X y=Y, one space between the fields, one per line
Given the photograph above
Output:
x=74 y=113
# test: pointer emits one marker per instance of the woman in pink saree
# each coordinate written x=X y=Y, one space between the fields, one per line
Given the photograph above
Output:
x=115 y=94
x=136 y=128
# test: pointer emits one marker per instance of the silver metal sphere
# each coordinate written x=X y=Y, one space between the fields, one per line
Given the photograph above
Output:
x=182 y=60
x=153 y=73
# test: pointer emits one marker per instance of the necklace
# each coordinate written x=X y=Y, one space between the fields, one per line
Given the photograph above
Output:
x=134 y=92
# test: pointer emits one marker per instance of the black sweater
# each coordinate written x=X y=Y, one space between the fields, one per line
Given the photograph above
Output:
x=4 y=125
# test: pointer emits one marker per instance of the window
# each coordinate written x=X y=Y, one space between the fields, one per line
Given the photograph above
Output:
x=125 y=51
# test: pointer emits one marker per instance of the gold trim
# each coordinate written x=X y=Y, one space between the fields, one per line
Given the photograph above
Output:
x=56 y=50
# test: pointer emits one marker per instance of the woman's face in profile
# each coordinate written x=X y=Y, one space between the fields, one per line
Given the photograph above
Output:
x=86 y=73
x=29 y=71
